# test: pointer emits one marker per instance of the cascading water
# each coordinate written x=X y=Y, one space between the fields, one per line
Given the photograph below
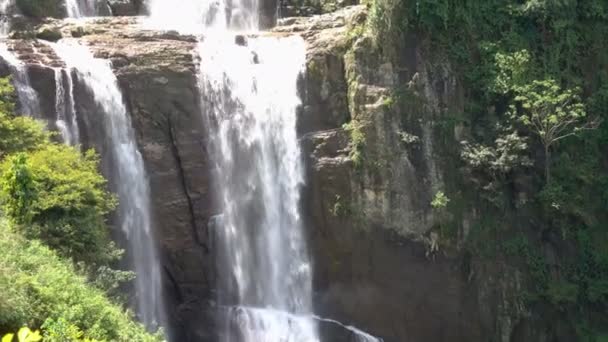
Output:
x=129 y=174
x=196 y=16
x=249 y=101
x=6 y=6
x=81 y=8
x=65 y=107
x=29 y=104
x=265 y=278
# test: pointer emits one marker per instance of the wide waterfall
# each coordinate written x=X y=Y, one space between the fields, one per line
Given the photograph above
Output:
x=248 y=83
x=129 y=174
x=249 y=101
x=197 y=16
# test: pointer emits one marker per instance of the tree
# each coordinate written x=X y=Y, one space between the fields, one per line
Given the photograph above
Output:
x=40 y=289
x=57 y=195
x=551 y=113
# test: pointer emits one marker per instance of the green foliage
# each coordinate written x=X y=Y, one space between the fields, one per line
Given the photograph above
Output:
x=520 y=247
x=562 y=293
x=340 y=209
x=7 y=96
x=17 y=133
x=42 y=8
x=507 y=154
x=357 y=141
x=440 y=200
x=24 y=335
x=550 y=112
x=407 y=138
x=512 y=70
x=40 y=289
x=535 y=68
x=57 y=195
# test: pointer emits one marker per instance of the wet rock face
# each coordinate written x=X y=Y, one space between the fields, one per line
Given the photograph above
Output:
x=370 y=224
x=372 y=229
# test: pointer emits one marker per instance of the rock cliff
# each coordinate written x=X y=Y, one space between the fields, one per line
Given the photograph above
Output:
x=373 y=165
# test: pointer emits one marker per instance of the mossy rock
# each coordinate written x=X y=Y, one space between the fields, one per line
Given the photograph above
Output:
x=42 y=8
x=51 y=34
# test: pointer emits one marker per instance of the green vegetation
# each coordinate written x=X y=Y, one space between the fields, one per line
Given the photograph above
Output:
x=40 y=289
x=440 y=200
x=56 y=195
x=42 y=8
x=56 y=265
x=24 y=335
x=551 y=113
x=533 y=75
x=357 y=141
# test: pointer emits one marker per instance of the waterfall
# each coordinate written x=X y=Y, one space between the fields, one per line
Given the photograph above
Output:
x=128 y=172
x=249 y=102
x=29 y=104
x=81 y=8
x=6 y=6
x=65 y=107
x=196 y=16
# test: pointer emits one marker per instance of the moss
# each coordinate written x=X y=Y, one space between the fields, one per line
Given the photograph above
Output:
x=357 y=142
x=340 y=208
x=49 y=33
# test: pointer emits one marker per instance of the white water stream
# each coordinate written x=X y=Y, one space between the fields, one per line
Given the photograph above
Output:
x=29 y=104
x=128 y=172
x=65 y=107
x=81 y=8
x=249 y=102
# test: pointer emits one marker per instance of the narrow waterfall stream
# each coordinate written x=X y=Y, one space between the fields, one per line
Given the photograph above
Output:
x=29 y=104
x=81 y=8
x=130 y=175
x=5 y=8
x=65 y=107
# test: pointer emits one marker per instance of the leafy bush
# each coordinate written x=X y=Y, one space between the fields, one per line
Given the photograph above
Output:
x=20 y=134
x=39 y=289
x=24 y=335
x=57 y=195
x=440 y=200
